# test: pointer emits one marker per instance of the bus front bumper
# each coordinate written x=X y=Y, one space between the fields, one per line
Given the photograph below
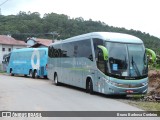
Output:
x=126 y=91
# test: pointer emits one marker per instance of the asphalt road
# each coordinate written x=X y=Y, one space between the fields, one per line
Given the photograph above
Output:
x=26 y=94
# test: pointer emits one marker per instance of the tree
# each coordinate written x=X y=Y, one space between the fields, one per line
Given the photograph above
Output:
x=29 y=24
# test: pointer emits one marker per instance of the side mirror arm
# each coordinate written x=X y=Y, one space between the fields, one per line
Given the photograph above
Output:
x=105 y=52
x=152 y=53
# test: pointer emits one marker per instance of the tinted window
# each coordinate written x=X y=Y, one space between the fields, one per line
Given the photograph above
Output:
x=73 y=49
x=77 y=49
x=67 y=50
x=83 y=49
x=54 y=51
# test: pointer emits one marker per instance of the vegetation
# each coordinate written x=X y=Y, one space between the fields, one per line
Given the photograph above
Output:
x=148 y=106
x=29 y=24
x=139 y=102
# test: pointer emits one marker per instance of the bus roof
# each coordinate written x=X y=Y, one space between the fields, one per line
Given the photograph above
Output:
x=28 y=49
x=108 y=36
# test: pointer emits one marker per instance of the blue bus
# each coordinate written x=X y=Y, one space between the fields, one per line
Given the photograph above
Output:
x=28 y=62
x=104 y=62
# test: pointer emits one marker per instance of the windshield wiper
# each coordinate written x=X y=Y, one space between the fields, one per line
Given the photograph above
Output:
x=135 y=67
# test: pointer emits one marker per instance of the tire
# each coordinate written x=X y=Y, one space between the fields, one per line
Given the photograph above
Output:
x=45 y=77
x=25 y=75
x=11 y=72
x=89 y=87
x=35 y=74
x=56 y=80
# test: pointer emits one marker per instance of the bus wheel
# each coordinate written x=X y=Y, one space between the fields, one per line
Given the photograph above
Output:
x=56 y=80
x=11 y=72
x=25 y=75
x=45 y=77
x=89 y=87
x=35 y=74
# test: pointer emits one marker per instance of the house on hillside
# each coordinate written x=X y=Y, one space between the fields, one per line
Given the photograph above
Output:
x=7 y=44
x=38 y=43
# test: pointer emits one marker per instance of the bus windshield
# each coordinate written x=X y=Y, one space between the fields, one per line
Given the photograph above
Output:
x=127 y=60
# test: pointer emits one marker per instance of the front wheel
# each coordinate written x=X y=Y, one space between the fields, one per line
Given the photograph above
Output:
x=89 y=87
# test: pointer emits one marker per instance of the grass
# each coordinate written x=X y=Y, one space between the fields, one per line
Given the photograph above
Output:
x=148 y=106
x=2 y=72
x=135 y=100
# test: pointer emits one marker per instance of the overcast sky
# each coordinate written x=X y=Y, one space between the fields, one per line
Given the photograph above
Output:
x=143 y=15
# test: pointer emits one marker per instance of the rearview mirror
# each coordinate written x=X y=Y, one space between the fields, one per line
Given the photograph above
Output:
x=104 y=52
x=152 y=54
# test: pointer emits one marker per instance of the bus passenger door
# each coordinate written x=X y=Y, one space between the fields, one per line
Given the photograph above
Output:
x=100 y=62
x=102 y=68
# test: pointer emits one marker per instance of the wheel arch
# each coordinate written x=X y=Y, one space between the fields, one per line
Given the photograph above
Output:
x=88 y=78
x=55 y=74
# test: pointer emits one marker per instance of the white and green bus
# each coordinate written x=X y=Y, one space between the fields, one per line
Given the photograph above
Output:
x=104 y=62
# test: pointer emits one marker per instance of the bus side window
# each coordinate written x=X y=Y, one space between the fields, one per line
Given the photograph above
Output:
x=83 y=49
x=96 y=42
x=67 y=50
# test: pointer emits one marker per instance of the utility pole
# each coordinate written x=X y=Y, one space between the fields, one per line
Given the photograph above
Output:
x=54 y=34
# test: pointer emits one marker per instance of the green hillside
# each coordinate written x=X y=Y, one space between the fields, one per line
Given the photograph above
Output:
x=25 y=25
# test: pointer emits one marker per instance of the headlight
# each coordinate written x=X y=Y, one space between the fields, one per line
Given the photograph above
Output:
x=114 y=83
x=111 y=82
x=106 y=80
x=145 y=83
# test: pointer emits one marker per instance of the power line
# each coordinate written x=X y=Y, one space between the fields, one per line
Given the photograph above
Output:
x=3 y=3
